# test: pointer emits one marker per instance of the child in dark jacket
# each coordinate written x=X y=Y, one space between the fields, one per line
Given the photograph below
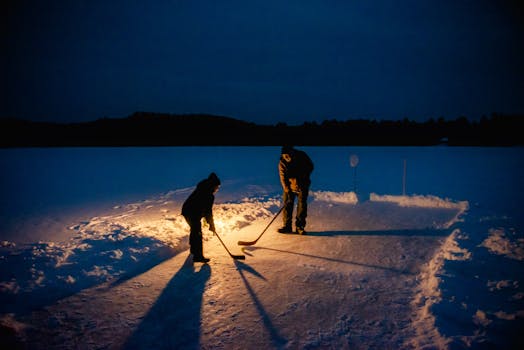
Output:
x=197 y=206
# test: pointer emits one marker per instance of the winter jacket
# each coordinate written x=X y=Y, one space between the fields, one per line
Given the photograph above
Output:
x=200 y=203
x=297 y=171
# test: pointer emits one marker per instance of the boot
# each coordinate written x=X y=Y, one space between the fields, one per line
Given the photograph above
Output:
x=200 y=259
x=285 y=229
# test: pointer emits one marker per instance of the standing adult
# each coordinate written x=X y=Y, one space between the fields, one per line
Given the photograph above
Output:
x=199 y=205
x=295 y=168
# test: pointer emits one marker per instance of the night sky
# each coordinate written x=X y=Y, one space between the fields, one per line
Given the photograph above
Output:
x=263 y=61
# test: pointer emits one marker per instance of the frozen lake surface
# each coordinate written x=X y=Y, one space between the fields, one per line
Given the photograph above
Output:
x=469 y=290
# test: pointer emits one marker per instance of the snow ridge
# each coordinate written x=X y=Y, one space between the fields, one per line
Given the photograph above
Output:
x=427 y=201
x=429 y=294
x=335 y=197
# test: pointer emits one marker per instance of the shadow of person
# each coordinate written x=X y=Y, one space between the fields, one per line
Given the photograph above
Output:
x=276 y=338
x=149 y=261
x=327 y=258
x=173 y=322
x=428 y=232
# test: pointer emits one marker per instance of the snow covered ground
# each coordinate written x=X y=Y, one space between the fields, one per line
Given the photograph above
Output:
x=94 y=253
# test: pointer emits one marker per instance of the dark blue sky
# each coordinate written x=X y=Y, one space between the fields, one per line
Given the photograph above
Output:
x=262 y=60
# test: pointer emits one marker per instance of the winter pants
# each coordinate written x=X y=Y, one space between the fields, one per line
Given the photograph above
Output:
x=289 y=203
x=195 y=236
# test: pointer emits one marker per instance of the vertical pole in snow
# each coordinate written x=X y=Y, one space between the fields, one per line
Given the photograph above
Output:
x=353 y=161
x=404 y=180
x=355 y=180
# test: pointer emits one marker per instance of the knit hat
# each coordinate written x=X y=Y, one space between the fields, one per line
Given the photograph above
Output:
x=287 y=150
x=213 y=179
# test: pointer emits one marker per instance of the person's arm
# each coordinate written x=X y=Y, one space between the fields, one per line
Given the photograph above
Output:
x=211 y=222
x=208 y=216
x=283 y=176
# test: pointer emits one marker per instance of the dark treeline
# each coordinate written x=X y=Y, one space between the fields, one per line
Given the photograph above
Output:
x=154 y=129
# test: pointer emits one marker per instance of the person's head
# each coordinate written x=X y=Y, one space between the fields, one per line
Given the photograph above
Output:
x=287 y=153
x=214 y=181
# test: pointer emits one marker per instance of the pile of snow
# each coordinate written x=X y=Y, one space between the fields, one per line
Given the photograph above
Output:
x=109 y=246
x=335 y=197
x=429 y=294
x=420 y=201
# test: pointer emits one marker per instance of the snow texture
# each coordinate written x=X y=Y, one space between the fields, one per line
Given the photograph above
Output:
x=109 y=267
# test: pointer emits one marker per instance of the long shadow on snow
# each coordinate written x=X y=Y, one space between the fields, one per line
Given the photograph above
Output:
x=173 y=322
x=46 y=274
x=399 y=271
x=277 y=339
x=406 y=233
x=430 y=232
x=151 y=260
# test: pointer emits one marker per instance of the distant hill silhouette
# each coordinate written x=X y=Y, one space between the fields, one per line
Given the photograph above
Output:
x=157 y=129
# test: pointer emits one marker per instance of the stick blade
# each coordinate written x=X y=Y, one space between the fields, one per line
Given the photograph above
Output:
x=239 y=257
x=245 y=243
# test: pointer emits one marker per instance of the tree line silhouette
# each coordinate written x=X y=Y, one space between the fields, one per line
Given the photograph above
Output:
x=159 y=129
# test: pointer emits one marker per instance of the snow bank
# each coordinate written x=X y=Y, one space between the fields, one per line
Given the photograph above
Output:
x=420 y=201
x=232 y=217
x=113 y=245
x=429 y=294
x=335 y=197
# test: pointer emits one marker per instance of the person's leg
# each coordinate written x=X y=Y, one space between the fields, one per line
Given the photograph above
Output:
x=287 y=213
x=300 y=222
x=195 y=236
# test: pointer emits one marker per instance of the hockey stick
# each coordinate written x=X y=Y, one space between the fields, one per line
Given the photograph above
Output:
x=255 y=241
x=240 y=257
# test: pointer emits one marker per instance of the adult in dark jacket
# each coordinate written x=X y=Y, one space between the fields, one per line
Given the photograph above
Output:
x=294 y=168
x=199 y=205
